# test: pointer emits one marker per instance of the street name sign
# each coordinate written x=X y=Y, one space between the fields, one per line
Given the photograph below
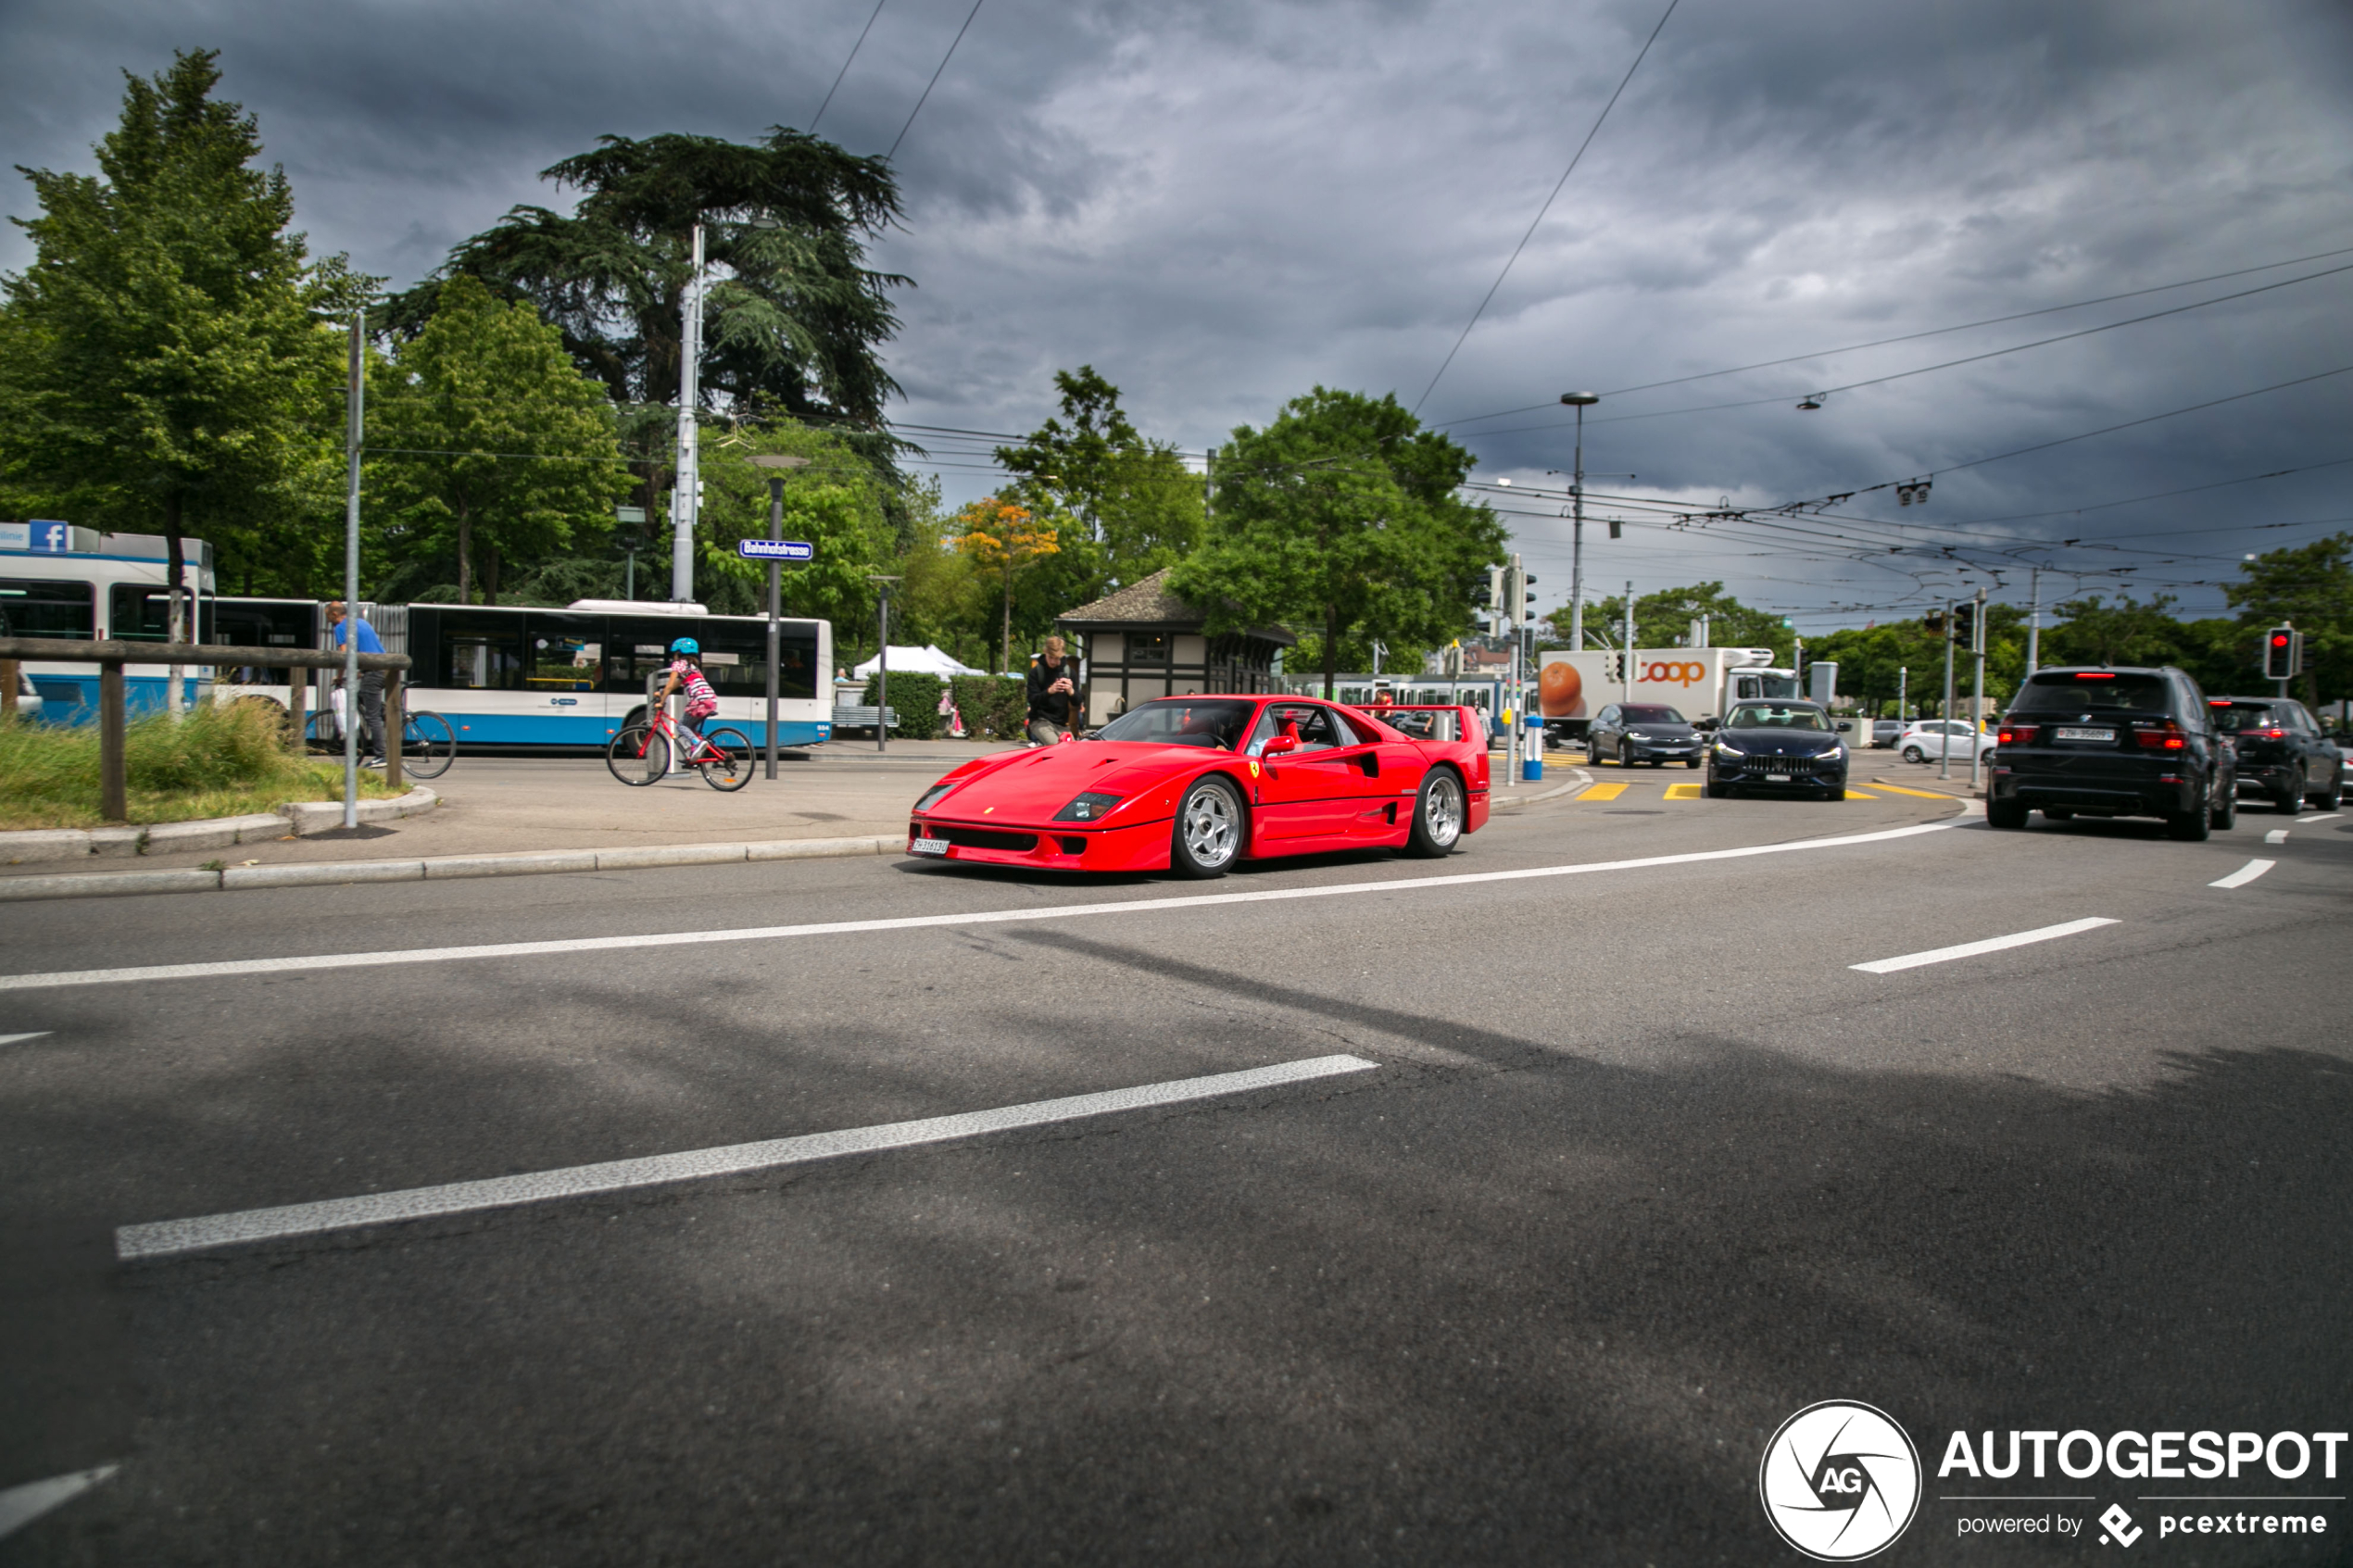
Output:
x=775 y=549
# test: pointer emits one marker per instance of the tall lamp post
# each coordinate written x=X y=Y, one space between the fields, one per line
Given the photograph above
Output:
x=882 y=664
x=777 y=467
x=1580 y=401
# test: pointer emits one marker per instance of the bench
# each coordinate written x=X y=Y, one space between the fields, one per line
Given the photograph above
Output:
x=852 y=718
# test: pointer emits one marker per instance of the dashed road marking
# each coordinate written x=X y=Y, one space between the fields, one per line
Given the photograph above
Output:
x=1923 y=794
x=2245 y=874
x=167 y=1238
x=1990 y=944
x=2277 y=835
x=20 y=1506
x=12 y=1039
x=1853 y=793
x=1683 y=792
x=1603 y=791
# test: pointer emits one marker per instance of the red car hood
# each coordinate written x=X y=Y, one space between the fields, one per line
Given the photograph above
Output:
x=1030 y=786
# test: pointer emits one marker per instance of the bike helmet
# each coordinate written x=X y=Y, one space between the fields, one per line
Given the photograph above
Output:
x=687 y=645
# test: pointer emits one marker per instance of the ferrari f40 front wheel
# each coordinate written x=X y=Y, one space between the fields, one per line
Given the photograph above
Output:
x=1210 y=826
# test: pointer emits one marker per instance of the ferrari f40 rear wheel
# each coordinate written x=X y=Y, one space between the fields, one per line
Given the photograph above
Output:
x=1207 y=839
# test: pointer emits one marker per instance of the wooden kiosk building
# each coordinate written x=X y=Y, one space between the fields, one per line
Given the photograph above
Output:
x=1142 y=641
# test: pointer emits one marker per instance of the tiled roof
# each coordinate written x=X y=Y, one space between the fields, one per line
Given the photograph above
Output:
x=1147 y=601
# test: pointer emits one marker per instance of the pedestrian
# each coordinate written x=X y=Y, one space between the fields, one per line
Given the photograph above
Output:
x=1053 y=695
x=371 y=682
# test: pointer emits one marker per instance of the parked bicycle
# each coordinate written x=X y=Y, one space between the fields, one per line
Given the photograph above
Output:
x=640 y=754
x=427 y=743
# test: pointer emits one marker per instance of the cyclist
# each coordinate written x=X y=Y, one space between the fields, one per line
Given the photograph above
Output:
x=686 y=674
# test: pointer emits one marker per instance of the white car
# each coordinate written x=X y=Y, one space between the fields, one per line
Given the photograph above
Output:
x=1929 y=738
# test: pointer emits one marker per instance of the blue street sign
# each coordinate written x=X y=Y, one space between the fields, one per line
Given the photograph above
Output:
x=775 y=549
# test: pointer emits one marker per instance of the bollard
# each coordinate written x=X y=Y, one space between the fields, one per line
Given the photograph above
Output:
x=392 y=728
x=114 y=795
x=8 y=688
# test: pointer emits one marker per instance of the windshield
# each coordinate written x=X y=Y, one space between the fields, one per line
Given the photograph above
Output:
x=1181 y=721
x=1641 y=714
x=2090 y=692
x=2237 y=721
x=1777 y=716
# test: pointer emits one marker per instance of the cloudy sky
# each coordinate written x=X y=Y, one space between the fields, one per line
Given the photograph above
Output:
x=1220 y=205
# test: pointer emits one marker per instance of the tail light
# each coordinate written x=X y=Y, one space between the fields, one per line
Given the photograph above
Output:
x=2269 y=734
x=2168 y=738
x=2020 y=733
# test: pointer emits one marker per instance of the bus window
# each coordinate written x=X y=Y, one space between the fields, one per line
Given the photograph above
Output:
x=635 y=649
x=735 y=659
x=562 y=652
x=32 y=607
x=473 y=651
x=137 y=613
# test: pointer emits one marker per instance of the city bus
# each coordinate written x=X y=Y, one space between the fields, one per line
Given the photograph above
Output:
x=521 y=676
x=58 y=580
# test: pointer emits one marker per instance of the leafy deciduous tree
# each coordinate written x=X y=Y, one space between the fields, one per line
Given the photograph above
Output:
x=1133 y=496
x=1002 y=539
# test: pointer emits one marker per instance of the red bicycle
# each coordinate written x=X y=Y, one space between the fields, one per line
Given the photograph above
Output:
x=640 y=754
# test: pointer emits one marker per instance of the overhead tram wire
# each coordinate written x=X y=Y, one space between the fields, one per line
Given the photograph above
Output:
x=844 y=66
x=1912 y=337
x=1541 y=211
x=934 y=81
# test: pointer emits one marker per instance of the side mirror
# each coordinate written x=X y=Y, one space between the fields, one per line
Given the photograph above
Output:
x=1277 y=746
x=1846 y=724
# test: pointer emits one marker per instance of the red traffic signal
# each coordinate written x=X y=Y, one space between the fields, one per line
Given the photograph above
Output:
x=2280 y=652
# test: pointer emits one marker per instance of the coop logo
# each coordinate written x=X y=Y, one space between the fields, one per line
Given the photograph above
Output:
x=1681 y=673
x=1840 y=1481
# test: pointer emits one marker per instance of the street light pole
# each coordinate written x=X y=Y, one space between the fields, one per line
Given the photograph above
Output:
x=2034 y=619
x=775 y=465
x=1945 y=714
x=1580 y=401
x=1977 y=688
x=882 y=661
x=684 y=499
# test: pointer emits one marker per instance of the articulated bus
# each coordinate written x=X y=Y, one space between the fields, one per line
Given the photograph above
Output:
x=506 y=676
x=60 y=581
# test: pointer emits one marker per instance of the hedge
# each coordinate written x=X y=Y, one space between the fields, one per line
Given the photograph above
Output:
x=994 y=706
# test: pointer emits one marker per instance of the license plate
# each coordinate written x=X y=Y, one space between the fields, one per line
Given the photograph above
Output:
x=1777 y=778
x=928 y=846
x=2070 y=734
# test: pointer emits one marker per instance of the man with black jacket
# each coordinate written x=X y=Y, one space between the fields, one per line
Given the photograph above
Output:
x=1053 y=695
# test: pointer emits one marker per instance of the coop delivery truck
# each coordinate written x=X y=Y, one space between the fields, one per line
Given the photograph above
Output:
x=1696 y=682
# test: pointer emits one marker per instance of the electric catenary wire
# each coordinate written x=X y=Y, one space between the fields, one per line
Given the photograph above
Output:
x=933 y=83
x=844 y=66
x=1547 y=207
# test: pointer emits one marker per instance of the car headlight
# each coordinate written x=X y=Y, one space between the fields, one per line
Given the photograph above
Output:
x=1636 y=734
x=1086 y=808
x=932 y=796
x=1723 y=750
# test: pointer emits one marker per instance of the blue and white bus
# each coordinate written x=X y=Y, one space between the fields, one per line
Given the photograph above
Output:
x=58 y=580
x=519 y=676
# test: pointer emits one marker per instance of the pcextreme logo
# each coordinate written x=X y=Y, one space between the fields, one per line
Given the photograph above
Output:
x=1840 y=1481
x=1681 y=673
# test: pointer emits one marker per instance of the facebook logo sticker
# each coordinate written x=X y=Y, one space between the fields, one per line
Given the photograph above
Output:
x=51 y=538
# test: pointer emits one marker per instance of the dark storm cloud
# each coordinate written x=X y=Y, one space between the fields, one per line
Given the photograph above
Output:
x=1220 y=205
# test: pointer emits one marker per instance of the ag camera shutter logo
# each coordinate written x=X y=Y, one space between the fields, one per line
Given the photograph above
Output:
x=1840 y=1481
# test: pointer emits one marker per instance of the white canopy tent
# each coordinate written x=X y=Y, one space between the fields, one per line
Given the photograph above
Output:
x=928 y=660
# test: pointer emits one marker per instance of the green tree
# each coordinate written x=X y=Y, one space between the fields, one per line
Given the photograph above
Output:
x=1341 y=517
x=836 y=504
x=163 y=366
x=2094 y=631
x=2310 y=587
x=1132 y=497
x=486 y=440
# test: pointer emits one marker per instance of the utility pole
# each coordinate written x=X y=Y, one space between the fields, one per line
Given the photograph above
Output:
x=1903 y=681
x=882 y=666
x=1626 y=671
x=2034 y=619
x=686 y=500
x=352 y=443
x=1580 y=401
x=1508 y=620
x=1977 y=688
x=1945 y=714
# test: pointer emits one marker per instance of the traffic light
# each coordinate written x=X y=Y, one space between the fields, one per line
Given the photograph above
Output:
x=1615 y=527
x=1934 y=622
x=1527 y=596
x=1965 y=623
x=1614 y=668
x=2279 y=653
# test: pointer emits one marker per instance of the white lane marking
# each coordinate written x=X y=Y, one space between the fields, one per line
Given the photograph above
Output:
x=20 y=1506
x=164 y=1237
x=1991 y=945
x=2277 y=835
x=905 y=922
x=2324 y=817
x=2245 y=874
x=12 y=1039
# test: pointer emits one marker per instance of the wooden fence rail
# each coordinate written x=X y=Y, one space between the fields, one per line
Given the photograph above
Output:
x=111 y=656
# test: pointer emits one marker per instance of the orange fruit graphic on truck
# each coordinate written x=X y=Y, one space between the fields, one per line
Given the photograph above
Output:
x=1560 y=690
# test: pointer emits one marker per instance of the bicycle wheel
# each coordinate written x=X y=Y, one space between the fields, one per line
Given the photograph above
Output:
x=637 y=756
x=427 y=746
x=731 y=770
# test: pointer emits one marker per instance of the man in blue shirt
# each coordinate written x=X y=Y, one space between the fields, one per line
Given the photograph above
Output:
x=371 y=682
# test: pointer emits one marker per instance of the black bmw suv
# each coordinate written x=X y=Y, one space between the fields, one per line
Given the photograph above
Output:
x=2282 y=756
x=2113 y=743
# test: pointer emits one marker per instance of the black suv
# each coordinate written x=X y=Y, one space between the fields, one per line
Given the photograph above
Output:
x=2113 y=743
x=2282 y=754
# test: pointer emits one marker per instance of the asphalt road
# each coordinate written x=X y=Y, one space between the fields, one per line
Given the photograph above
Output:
x=1631 y=1165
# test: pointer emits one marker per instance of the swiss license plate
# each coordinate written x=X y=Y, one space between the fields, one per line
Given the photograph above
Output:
x=1777 y=778
x=927 y=845
x=2068 y=733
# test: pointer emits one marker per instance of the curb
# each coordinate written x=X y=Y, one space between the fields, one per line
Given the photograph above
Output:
x=297 y=818
x=332 y=873
x=1575 y=784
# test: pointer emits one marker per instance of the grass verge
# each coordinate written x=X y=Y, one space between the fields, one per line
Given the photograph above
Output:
x=214 y=761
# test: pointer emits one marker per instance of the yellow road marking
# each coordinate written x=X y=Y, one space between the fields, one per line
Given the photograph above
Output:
x=1923 y=794
x=1859 y=794
x=1603 y=791
x=1683 y=792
